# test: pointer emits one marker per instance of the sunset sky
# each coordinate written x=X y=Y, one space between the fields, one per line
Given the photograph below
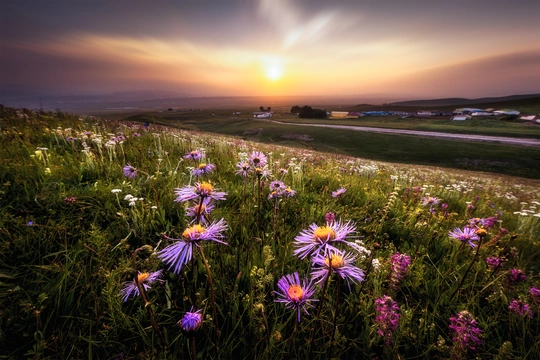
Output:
x=403 y=48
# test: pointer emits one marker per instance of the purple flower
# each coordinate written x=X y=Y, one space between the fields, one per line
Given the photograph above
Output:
x=145 y=279
x=430 y=200
x=320 y=238
x=466 y=235
x=243 y=169
x=387 y=317
x=535 y=293
x=194 y=155
x=329 y=217
x=257 y=159
x=277 y=185
x=203 y=169
x=288 y=192
x=191 y=322
x=516 y=275
x=467 y=333
x=337 y=262
x=338 y=192
x=201 y=211
x=295 y=294
x=520 y=308
x=130 y=171
x=202 y=190
x=181 y=251
x=494 y=262
x=70 y=200
x=399 y=265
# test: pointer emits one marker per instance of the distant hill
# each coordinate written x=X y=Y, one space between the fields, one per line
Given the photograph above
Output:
x=467 y=102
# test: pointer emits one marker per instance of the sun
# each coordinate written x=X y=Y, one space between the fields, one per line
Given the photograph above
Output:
x=274 y=71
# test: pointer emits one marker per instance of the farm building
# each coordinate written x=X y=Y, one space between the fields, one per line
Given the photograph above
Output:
x=461 y=117
x=339 y=114
x=262 y=114
x=466 y=111
x=482 y=113
x=506 y=112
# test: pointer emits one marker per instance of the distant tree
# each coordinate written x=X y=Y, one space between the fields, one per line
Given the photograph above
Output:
x=295 y=109
x=309 y=112
x=261 y=108
x=268 y=108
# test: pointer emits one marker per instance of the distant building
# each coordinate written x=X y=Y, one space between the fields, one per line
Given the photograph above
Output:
x=262 y=114
x=466 y=111
x=482 y=113
x=339 y=114
x=506 y=112
x=461 y=117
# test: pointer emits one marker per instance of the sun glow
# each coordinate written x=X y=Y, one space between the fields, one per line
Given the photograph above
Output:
x=274 y=72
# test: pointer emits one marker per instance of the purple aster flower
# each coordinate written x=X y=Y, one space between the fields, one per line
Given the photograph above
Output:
x=181 y=251
x=399 y=265
x=145 y=279
x=243 y=169
x=387 y=317
x=201 y=210
x=338 y=192
x=467 y=333
x=257 y=159
x=202 y=190
x=520 y=308
x=277 y=185
x=191 y=322
x=263 y=172
x=466 y=235
x=130 y=171
x=494 y=262
x=320 y=238
x=535 y=293
x=288 y=192
x=203 y=169
x=516 y=275
x=430 y=200
x=337 y=262
x=295 y=294
x=194 y=155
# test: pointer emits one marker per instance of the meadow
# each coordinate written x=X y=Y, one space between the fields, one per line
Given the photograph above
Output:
x=125 y=241
x=455 y=154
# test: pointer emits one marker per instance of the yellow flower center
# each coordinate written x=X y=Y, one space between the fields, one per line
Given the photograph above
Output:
x=481 y=232
x=336 y=262
x=295 y=292
x=202 y=166
x=324 y=233
x=142 y=277
x=193 y=230
x=205 y=187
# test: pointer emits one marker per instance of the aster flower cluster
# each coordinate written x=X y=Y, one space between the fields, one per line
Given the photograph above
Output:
x=466 y=331
x=338 y=262
x=278 y=190
x=387 y=317
x=256 y=163
x=521 y=308
x=399 y=265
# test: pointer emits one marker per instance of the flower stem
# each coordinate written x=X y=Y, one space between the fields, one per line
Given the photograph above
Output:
x=336 y=309
x=468 y=269
x=212 y=300
x=144 y=296
x=317 y=318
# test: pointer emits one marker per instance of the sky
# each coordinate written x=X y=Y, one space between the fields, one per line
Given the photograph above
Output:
x=406 y=48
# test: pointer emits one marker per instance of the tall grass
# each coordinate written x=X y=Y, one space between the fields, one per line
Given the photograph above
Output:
x=68 y=232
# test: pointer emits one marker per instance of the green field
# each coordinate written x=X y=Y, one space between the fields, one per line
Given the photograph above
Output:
x=478 y=156
x=89 y=205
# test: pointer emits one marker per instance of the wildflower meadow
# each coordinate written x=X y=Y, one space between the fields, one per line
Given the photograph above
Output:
x=136 y=241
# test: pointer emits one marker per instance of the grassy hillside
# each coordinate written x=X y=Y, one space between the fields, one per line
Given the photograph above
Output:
x=108 y=253
x=491 y=157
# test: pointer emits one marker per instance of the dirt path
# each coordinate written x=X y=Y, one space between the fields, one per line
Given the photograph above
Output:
x=468 y=137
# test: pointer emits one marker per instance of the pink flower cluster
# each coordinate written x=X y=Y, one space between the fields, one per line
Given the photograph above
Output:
x=387 y=317
x=466 y=331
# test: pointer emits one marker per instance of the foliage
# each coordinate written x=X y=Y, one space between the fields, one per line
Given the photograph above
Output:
x=71 y=222
x=307 y=112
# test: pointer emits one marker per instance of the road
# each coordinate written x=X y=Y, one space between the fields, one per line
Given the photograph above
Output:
x=468 y=137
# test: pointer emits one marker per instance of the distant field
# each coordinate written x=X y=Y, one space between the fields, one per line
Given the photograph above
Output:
x=490 y=157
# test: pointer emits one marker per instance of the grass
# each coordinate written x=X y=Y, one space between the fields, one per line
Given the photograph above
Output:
x=478 y=156
x=67 y=242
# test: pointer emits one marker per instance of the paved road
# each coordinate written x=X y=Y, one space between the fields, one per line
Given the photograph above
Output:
x=468 y=137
